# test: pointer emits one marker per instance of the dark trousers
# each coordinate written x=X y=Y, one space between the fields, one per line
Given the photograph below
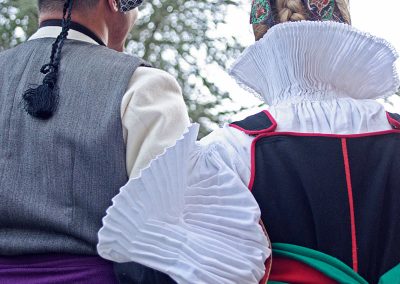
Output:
x=134 y=273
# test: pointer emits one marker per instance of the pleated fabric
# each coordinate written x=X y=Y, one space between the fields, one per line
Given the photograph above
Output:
x=320 y=77
x=201 y=228
x=314 y=61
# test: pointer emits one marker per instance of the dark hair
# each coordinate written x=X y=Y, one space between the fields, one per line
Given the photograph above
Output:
x=42 y=101
x=55 y=5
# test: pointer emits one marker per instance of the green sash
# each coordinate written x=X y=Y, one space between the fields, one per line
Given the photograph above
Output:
x=328 y=265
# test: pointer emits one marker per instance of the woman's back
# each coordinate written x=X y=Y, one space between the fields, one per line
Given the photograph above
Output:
x=335 y=194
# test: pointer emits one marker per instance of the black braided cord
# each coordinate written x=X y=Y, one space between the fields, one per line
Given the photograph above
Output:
x=42 y=101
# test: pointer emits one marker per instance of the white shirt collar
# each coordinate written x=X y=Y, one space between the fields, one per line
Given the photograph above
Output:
x=314 y=61
x=54 y=31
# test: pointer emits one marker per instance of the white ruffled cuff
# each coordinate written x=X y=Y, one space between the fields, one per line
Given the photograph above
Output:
x=206 y=232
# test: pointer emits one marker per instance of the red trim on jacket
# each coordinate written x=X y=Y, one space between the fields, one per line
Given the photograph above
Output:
x=253 y=164
x=258 y=132
x=268 y=262
x=351 y=205
x=395 y=124
x=300 y=134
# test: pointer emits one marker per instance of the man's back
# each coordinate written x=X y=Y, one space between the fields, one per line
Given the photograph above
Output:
x=58 y=176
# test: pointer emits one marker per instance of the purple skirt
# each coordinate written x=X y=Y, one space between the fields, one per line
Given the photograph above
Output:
x=56 y=269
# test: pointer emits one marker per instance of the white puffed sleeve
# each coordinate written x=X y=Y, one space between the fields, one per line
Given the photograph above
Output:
x=153 y=116
x=188 y=215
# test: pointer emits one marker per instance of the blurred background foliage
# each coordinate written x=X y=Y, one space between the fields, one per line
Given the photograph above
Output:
x=183 y=37
x=179 y=36
x=18 y=19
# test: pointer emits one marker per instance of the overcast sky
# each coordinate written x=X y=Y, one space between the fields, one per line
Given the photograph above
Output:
x=380 y=18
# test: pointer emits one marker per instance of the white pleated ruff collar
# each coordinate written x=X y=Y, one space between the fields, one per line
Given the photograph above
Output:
x=317 y=61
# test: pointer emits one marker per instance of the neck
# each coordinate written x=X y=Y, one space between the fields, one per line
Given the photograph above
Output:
x=117 y=45
x=93 y=21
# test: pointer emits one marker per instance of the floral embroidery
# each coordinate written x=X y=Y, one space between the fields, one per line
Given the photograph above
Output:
x=321 y=9
x=318 y=10
x=261 y=12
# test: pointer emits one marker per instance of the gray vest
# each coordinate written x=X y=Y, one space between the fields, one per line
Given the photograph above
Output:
x=57 y=177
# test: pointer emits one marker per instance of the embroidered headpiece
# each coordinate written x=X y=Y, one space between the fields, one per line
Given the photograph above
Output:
x=263 y=13
x=127 y=5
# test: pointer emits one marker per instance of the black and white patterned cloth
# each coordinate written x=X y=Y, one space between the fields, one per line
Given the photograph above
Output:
x=127 y=5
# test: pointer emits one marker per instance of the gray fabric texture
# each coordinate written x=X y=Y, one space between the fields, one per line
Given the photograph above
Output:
x=57 y=177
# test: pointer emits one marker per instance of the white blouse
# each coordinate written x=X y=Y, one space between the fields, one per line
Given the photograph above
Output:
x=316 y=77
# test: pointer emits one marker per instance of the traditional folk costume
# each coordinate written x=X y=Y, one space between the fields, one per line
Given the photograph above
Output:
x=322 y=163
x=59 y=174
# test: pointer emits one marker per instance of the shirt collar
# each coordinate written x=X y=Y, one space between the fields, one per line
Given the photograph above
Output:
x=52 y=28
x=314 y=61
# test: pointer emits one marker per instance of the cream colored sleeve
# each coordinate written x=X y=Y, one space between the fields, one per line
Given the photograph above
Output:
x=154 y=116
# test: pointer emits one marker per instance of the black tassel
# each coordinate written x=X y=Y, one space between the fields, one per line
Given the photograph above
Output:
x=42 y=101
